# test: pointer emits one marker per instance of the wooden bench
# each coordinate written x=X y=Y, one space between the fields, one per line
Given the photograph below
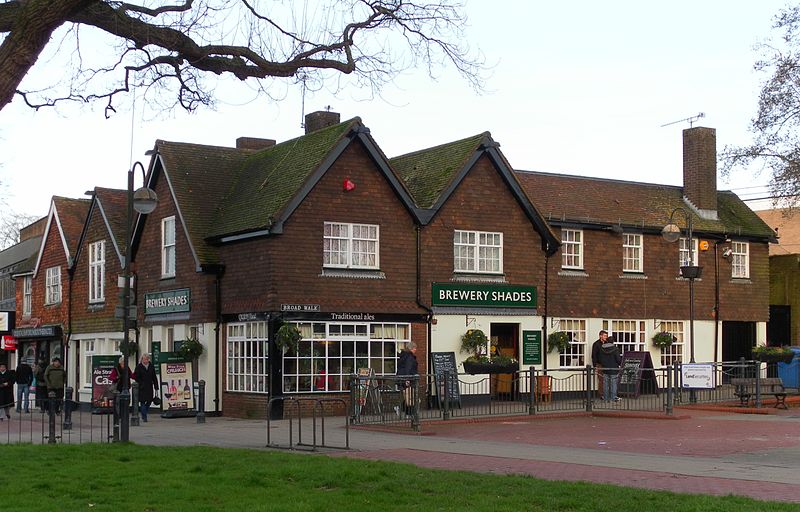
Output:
x=745 y=389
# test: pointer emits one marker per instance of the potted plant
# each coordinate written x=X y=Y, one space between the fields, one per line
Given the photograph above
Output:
x=475 y=343
x=557 y=341
x=773 y=354
x=288 y=337
x=191 y=349
x=663 y=339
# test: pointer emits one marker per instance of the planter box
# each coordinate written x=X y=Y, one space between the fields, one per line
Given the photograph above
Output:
x=774 y=358
x=472 y=367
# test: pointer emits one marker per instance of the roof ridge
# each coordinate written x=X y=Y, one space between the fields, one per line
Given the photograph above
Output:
x=445 y=144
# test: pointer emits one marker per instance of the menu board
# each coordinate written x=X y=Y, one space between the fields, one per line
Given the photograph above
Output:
x=445 y=373
x=636 y=368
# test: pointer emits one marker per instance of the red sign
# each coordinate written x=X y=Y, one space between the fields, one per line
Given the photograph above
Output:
x=8 y=343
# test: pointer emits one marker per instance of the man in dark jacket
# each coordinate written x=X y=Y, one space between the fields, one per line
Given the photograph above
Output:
x=406 y=367
x=24 y=380
x=606 y=359
x=55 y=377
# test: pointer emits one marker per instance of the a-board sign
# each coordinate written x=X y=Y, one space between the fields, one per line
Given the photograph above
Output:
x=102 y=387
x=531 y=347
x=444 y=363
x=636 y=375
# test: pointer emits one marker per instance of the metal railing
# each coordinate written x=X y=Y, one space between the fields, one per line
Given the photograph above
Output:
x=296 y=416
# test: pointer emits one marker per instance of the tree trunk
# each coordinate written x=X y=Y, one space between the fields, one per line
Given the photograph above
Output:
x=33 y=25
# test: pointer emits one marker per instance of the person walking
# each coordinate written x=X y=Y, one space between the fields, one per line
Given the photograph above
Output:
x=406 y=367
x=6 y=390
x=56 y=378
x=145 y=375
x=116 y=376
x=24 y=379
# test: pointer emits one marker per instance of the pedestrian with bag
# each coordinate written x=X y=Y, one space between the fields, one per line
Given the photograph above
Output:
x=145 y=375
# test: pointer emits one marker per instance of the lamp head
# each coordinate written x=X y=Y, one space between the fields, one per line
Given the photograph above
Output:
x=145 y=200
x=671 y=232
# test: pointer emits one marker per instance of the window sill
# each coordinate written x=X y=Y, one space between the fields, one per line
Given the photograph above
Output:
x=478 y=278
x=572 y=273
x=633 y=275
x=96 y=306
x=352 y=274
x=741 y=280
x=681 y=278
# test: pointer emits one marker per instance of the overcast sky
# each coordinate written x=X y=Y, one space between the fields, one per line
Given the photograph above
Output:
x=579 y=87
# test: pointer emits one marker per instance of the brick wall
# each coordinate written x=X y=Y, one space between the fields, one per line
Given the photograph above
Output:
x=700 y=167
x=53 y=255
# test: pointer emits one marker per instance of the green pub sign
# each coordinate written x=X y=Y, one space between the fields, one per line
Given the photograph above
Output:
x=171 y=301
x=531 y=347
x=483 y=295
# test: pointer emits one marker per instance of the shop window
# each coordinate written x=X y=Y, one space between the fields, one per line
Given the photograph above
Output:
x=575 y=355
x=248 y=358
x=629 y=335
x=674 y=353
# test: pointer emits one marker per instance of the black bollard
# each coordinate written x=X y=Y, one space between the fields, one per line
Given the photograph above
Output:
x=124 y=416
x=201 y=402
x=68 y=408
x=135 y=404
x=51 y=417
x=115 y=435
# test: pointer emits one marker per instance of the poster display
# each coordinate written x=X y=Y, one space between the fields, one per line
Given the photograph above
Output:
x=102 y=387
x=176 y=384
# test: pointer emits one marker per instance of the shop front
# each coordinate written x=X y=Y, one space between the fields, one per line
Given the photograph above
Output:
x=39 y=344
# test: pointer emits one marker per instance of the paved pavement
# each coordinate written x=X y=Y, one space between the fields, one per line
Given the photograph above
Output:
x=704 y=452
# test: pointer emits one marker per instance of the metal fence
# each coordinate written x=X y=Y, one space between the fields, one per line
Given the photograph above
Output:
x=403 y=401
x=56 y=421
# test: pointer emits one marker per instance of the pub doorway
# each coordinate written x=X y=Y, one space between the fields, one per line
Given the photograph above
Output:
x=504 y=340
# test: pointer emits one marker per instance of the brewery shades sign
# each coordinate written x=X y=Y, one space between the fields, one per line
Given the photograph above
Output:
x=483 y=295
x=176 y=386
x=171 y=301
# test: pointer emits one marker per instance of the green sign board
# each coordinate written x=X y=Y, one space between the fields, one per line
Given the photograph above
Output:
x=483 y=295
x=171 y=301
x=531 y=347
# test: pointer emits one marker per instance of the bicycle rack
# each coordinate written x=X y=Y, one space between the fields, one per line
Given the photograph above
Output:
x=318 y=404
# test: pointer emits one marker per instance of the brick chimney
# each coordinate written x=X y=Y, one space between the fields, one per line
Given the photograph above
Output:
x=32 y=230
x=254 y=143
x=700 y=170
x=320 y=119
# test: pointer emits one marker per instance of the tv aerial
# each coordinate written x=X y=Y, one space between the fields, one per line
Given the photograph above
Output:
x=691 y=120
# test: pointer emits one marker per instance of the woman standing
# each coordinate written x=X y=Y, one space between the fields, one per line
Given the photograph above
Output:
x=145 y=375
x=6 y=390
x=407 y=366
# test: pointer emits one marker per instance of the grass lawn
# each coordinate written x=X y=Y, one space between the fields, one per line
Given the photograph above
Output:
x=124 y=477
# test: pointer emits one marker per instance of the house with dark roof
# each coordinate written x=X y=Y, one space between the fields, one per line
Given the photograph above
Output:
x=784 y=283
x=614 y=270
x=95 y=329
x=483 y=247
x=43 y=299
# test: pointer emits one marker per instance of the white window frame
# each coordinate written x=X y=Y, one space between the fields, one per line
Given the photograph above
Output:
x=97 y=271
x=168 y=249
x=575 y=355
x=352 y=247
x=674 y=353
x=89 y=349
x=248 y=357
x=740 y=260
x=472 y=252
x=53 y=285
x=632 y=252
x=629 y=335
x=683 y=252
x=27 y=295
x=572 y=248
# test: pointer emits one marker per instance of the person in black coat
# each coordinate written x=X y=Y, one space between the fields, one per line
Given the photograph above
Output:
x=6 y=390
x=24 y=380
x=407 y=366
x=145 y=375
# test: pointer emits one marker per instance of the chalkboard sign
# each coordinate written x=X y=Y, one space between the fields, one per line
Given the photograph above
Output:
x=636 y=375
x=445 y=362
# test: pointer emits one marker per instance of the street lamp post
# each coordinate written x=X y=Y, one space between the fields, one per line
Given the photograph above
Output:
x=671 y=233
x=144 y=201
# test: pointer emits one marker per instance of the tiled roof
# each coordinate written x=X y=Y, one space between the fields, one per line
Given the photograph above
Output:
x=583 y=200
x=114 y=204
x=270 y=178
x=788 y=228
x=200 y=175
x=428 y=172
x=72 y=214
x=20 y=252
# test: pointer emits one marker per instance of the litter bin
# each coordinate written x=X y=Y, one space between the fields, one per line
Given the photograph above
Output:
x=790 y=372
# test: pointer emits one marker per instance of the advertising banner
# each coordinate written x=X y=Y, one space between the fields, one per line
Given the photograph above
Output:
x=102 y=387
x=176 y=383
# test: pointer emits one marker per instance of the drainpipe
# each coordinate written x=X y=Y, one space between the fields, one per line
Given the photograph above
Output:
x=545 y=348
x=418 y=230
x=716 y=300
x=218 y=272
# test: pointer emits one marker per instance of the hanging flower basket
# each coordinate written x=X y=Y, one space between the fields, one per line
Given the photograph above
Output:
x=288 y=337
x=474 y=342
x=191 y=349
x=663 y=339
x=557 y=341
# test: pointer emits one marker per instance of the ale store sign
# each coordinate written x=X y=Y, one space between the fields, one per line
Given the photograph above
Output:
x=483 y=295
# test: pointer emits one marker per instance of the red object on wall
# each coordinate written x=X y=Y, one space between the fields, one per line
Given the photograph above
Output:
x=348 y=185
x=9 y=343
